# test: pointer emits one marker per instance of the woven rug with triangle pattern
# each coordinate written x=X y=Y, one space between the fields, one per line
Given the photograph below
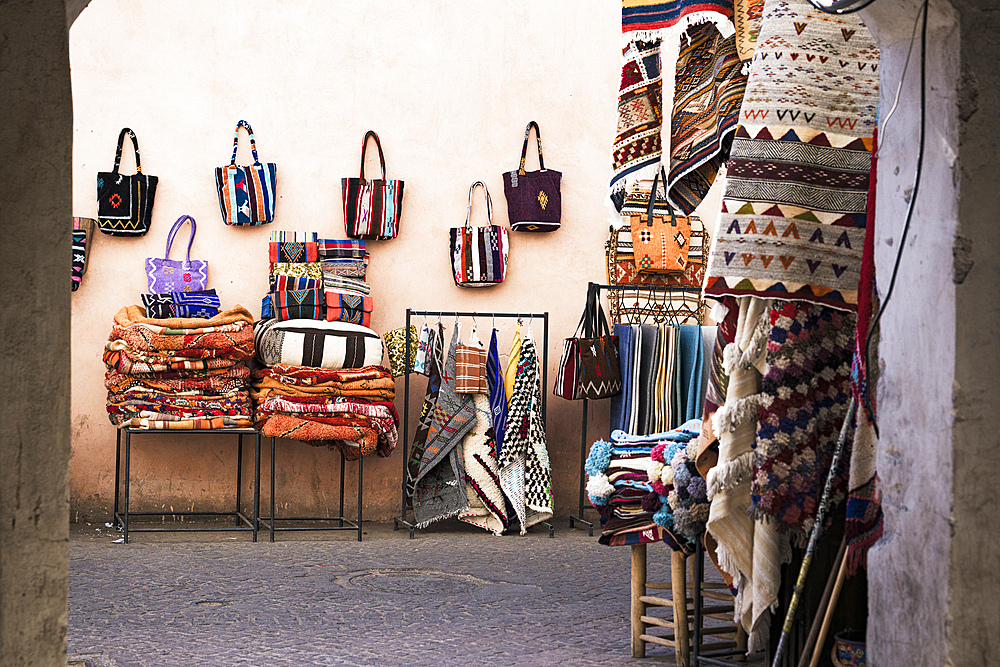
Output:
x=792 y=219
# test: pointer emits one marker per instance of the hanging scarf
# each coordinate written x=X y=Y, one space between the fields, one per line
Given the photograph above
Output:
x=498 y=394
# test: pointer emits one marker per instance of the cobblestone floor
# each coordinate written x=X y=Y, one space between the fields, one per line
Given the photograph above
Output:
x=451 y=596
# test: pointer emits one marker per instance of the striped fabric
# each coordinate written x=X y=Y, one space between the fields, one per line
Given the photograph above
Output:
x=281 y=236
x=351 y=268
x=330 y=249
x=283 y=283
x=348 y=307
x=306 y=304
x=246 y=193
x=479 y=255
x=331 y=345
x=345 y=284
x=372 y=206
x=470 y=370
x=645 y=16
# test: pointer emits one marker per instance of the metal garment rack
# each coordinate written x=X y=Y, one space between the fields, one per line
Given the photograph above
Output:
x=589 y=333
x=344 y=523
x=243 y=522
x=405 y=506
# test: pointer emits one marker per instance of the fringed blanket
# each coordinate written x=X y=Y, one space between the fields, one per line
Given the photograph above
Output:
x=525 y=472
x=708 y=90
x=792 y=220
x=439 y=488
x=646 y=19
x=487 y=508
x=350 y=434
x=803 y=401
x=637 y=148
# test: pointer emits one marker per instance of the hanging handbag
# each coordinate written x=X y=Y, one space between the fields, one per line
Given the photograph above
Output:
x=83 y=240
x=479 y=254
x=125 y=203
x=590 y=367
x=395 y=343
x=372 y=207
x=660 y=243
x=246 y=193
x=167 y=275
x=534 y=203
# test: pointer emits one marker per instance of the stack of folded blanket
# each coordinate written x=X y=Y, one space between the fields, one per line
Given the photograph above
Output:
x=633 y=490
x=179 y=372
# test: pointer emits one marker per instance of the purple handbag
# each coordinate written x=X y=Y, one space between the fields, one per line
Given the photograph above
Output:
x=534 y=203
x=168 y=275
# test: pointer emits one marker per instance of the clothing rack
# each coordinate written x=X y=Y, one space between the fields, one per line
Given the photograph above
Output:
x=589 y=333
x=543 y=361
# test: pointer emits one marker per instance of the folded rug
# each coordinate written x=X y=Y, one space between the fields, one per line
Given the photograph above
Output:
x=487 y=508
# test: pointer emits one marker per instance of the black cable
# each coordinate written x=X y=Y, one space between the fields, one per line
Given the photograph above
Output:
x=841 y=6
x=909 y=213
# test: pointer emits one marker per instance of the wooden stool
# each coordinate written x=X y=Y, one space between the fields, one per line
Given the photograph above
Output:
x=681 y=620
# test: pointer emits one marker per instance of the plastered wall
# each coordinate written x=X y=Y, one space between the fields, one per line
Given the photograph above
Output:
x=449 y=88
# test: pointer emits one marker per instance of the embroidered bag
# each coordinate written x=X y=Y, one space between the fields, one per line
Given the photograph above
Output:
x=299 y=304
x=470 y=367
x=348 y=307
x=204 y=304
x=372 y=207
x=83 y=239
x=660 y=244
x=395 y=343
x=125 y=203
x=534 y=203
x=420 y=364
x=168 y=275
x=284 y=283
x=157 y=305
x=246 y=193
x=479 y=254
x=590 y=367
x=307 y=270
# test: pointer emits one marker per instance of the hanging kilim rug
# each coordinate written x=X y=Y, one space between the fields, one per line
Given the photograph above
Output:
x=746 y=17
x=708 y=90
x=637 y=147
x=803 y=400
x=646 y=19
x=792 y=220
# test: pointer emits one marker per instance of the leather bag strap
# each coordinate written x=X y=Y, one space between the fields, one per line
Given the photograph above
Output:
x=364 y=147
x=236 y=142
x=652 y=200
x=173 y=232
x=524 y=148
x=118 y=152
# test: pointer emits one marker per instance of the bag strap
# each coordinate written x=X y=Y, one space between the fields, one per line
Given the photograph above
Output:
x=524 y=148
x=118 y=152
x=364 y=147
x=489 y=204
x=173 y=232
x=236 y=142
x=652 y=200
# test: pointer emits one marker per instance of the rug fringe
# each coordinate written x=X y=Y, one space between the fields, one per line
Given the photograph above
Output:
x=722 y=23
x=449 y=515
x=728 y=417
x=729 y=474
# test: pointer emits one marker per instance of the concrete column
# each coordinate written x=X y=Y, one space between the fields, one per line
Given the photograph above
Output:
x=934 y=597
x=35 y=209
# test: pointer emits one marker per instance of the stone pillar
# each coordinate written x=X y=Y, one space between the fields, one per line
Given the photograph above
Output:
x=35 y=210
x=933 y=585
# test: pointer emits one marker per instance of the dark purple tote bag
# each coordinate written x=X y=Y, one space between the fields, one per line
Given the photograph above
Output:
x=533 y=200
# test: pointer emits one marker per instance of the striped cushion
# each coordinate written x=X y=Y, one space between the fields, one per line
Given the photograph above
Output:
x=331 y=345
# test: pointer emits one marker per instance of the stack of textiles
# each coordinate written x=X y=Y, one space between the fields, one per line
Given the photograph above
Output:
x=638 y=498
x=350 y=409
x=317 y=279
x=181 y=372
x=662 y=387
x=204 y=303
x=322 y=382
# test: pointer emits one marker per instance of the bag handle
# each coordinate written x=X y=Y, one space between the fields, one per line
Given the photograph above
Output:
x=524 y=148
x=489 y=204
x=652 y=200
x=364 y=147
x=173 y=232
x=236 y=142
x=121 y=143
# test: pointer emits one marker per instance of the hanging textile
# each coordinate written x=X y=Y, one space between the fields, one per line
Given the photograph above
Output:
x=648 y=356
x=525 y=472
x=621 y=404
x=498 y=394
x=439 y=488
x=793 y=212
x=435 y=369
x=708 y=90
x=487 y=507
x=746 y=18
x=513 y=359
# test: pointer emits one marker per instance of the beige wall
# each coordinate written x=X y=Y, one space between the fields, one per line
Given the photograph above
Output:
x=449 y=88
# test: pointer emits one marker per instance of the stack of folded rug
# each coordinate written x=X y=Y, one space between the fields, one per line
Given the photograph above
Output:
x=179 y=372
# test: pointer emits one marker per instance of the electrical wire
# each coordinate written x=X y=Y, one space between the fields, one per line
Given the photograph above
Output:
x=841 y=6
x=902 y=78
x=909 y=209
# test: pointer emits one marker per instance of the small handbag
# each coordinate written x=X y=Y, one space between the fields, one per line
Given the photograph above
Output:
x=168 y=275
x=660 y=244
x=479 y=254
x=534 y=202
x=299 y=304
x=590 y=367
x=348 y=307
x=125 y=203
x=395 y=343
x=246 y=193
x=372 y=207
x=83 y=240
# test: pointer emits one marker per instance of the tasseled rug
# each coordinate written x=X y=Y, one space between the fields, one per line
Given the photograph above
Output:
x=487 y=508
